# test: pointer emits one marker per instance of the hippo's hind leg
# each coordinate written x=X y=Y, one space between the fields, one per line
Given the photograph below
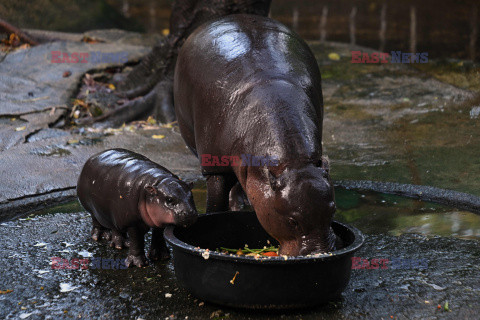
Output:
x=158 y=249
x=98 y=231
x=136 y=251
x=118 y=240
x=218 y=190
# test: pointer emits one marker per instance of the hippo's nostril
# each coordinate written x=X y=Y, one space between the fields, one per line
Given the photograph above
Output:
x=186 y=219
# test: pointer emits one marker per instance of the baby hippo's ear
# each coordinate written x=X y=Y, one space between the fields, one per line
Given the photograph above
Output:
x=151 y=190
x=190 y=185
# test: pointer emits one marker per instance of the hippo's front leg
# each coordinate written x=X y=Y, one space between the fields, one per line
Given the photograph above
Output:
x=218 y=190
x=136 y=252
x=158 y=249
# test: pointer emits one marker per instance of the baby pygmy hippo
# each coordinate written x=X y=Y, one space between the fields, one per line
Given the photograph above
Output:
x=125 y=192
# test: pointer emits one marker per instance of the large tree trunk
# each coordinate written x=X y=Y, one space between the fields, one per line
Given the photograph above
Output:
x=153 y=77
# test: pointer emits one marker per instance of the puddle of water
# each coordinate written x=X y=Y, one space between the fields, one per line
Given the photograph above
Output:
x=376 y=213
x=440 y=147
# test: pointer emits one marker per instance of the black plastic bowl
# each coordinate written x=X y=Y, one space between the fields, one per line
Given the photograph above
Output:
x=262 y=283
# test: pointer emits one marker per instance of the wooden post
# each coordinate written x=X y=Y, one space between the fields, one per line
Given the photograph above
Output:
x=126 y=8
x=153 y=16
x=295 y=19
x=474 y=32
x=413 y=29
x=323 y=24
x=383 y=27
x=353 y=13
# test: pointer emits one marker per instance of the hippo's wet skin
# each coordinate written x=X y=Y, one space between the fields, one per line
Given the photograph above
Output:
x=246 y=84
x=127 y=193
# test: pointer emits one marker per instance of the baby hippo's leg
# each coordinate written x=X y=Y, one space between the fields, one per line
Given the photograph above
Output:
x=158 y=249
x=136 y=253
x=99 y=231
x=118 y=240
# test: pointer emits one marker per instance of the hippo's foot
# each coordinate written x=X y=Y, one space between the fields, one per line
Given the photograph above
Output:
x=138 y=261
x=117 y=242
x=158 y=254
x=99 y=233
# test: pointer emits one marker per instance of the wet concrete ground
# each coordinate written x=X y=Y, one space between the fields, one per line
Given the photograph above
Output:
x=449 y=273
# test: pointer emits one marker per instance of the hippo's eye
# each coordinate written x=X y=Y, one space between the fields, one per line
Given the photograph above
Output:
x=169 y=200
x=293 y=222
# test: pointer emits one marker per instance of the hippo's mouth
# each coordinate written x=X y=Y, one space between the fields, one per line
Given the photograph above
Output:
x=324 y=245
x=311 y=246
x=154 y=220
x=185 y=220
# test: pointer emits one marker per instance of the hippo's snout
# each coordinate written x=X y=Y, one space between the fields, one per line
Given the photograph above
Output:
x=318 y=245
x=186 y=218
x=315 y=250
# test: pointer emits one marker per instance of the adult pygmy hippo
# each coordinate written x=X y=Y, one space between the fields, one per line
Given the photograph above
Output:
x=127 y=193
x=246 y=84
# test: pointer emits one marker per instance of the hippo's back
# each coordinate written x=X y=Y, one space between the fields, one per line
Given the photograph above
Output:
x=111 y=183
x=232 y=79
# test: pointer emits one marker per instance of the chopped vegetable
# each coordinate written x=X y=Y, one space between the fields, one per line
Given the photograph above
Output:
x=270 y=254
x=270 y=251
x=234 y=277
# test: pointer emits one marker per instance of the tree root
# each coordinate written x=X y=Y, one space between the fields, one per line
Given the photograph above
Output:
x=8 y=28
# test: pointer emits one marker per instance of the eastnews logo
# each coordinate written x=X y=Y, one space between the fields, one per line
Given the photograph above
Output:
x=83 y=264
x=396 y=57
x=394 y=263
x=92 y=57
x=209 y=160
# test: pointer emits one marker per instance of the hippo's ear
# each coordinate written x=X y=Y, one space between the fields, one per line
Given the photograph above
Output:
x=190 y=185
x=151 y=190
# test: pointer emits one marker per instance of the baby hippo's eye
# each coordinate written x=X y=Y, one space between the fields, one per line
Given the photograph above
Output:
x=170 y=200
x=293 y=222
